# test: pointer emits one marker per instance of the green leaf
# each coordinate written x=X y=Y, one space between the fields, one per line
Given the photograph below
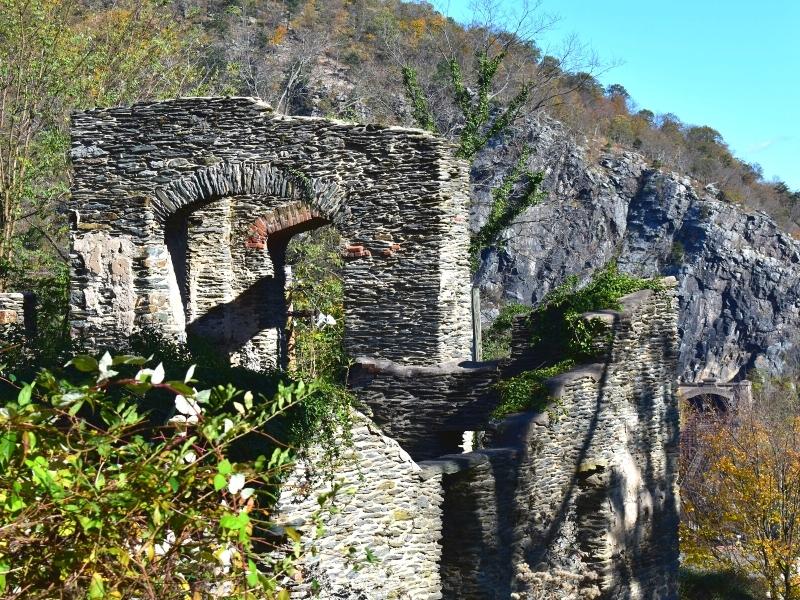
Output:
x=8 y=444
x=219 y=481
x=73 y=410
x=30 y=438
x=99 y=481
x=128 y=359
x=252 y=573
x=293 y=534
x=24 y=397
x=234 y=522
x=85 y=363
x=181 y=387
x=225 y=467
x=97 y=590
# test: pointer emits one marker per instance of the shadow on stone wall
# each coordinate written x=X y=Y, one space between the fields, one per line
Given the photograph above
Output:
x=582 y=496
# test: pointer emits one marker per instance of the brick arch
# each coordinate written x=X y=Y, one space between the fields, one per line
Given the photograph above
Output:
x=226 y=229
x=291 y=216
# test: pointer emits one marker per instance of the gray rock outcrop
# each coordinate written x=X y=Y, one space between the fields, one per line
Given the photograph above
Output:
x=738 y=272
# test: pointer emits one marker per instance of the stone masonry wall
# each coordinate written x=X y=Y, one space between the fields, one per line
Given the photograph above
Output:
x=582 y=497
x=386 y=506
x=426 y=409
x=396 y=195
x=16 y=315
x=180 y=212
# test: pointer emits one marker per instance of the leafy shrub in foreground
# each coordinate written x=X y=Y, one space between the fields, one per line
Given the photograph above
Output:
x=98 y=501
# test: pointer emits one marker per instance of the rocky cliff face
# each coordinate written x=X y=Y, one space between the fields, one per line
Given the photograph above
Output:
x=738 y=273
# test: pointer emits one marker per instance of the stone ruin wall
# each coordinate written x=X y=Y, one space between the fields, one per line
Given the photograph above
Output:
x=180 y=210
x=386 y=505
x=579 y=499
x=396 y=195
x=17 y=315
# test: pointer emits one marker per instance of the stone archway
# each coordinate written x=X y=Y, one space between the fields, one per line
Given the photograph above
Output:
x=396 y=195
x=227 y=259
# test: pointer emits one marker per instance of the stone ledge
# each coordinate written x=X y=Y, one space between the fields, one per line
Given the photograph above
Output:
x=389 y=367
x=556 y=385
x=450 y=464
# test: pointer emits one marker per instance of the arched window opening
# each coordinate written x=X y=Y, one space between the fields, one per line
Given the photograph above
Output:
x=231 y=277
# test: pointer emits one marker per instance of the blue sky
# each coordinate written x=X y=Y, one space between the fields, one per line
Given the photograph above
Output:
x=733 y=65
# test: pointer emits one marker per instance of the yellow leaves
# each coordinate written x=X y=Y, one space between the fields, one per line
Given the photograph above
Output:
x=277 y=37
x=739 y=510
x=415 y=29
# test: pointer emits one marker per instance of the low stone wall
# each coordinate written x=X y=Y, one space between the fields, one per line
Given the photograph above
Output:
x=581 y=498
x=577 y=501
x=17 y=315
x=426 y=409
x=386 y=505
x=477 y=532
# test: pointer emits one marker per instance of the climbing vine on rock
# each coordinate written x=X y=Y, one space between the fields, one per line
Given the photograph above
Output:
x=483 y=121
x=480 y=123
x=507 y=205
x=421 y=110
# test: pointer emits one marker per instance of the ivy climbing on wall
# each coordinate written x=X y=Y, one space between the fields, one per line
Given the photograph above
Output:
x=482 y=120
x=560 y=337
x=507 y=204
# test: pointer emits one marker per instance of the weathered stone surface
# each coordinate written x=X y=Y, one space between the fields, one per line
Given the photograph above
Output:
x=426 y=409
x=386 y=507
x=17 y=315
x=739 y=277
x=182 y=211
x=587 y=492
x=397 y=194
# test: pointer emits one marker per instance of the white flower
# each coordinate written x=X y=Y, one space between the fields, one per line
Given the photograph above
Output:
x=225 y=555
x=162 y=548
x=189 y=457
x=324 y=320
x=227 y=425
x=189 y=374
x=189 y=410
x=156 y=375
x=104 y=366
x=236 y=483
x=246 y=493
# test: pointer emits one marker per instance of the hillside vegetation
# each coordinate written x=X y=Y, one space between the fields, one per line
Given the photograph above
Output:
x=337 y=58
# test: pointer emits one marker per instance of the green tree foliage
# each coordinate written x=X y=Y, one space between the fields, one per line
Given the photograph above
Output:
x=419 y=103
x=698 y=584
x=507 y=204
x=316 y=339
x=56 y=55
x=557 y=325
x=103 y=499
x=496 y=340
x=740 y=489
x=479 y=125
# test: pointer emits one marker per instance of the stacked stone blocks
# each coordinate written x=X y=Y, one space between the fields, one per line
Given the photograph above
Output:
x=181 y=213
